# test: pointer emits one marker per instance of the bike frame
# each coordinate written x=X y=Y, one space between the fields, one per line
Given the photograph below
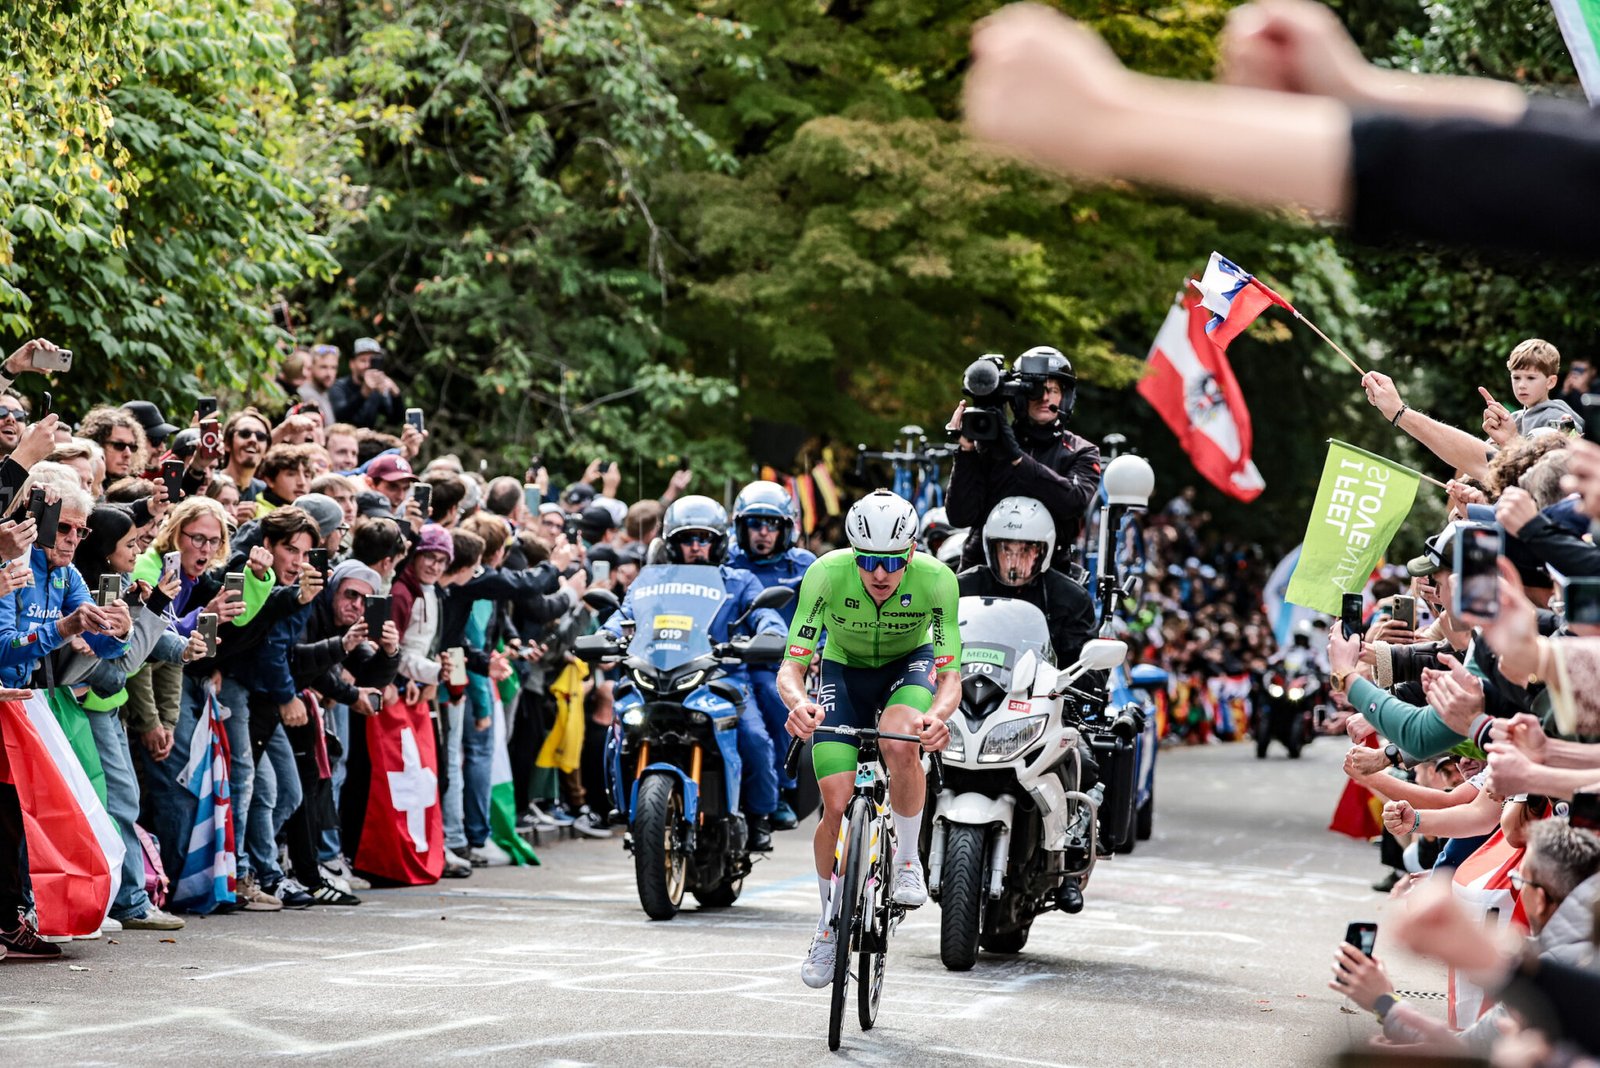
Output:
x=917 y=474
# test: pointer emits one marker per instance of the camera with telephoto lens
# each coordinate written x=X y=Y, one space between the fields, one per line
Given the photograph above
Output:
x=990 y=386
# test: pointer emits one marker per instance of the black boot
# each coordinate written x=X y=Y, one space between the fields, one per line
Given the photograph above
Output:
x=1069 y=897
x=760 y=840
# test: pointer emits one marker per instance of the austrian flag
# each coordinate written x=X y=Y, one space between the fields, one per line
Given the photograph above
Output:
x=1191 y=385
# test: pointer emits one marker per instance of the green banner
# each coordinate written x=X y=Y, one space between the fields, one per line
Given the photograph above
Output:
x=1360 y=503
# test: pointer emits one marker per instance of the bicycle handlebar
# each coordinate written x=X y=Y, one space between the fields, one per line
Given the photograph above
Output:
x=791 y=760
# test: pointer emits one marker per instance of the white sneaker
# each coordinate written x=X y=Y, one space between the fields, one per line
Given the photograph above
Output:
x=110 y=926
x=909 y=889
x=341 y=867
x=333 y=879
x=591 y=824
x=817 y=969
x=456 y=866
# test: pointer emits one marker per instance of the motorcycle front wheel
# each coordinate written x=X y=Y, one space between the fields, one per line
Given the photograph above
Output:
x=961 y=897
x=659 y=865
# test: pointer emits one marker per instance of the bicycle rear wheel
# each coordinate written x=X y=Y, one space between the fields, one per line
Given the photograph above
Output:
x=848 y=917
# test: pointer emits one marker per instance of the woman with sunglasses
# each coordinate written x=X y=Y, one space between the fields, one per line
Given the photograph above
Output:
x=892 y=661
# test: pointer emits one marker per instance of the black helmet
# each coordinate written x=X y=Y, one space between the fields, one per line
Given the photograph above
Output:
x=695 y=515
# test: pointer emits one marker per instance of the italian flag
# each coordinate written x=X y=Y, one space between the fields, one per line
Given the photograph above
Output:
x=74 y=851
x=1580 y=27
x=502 y=795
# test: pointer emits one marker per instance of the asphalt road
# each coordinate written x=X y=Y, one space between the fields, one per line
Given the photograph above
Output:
x=1209 y=945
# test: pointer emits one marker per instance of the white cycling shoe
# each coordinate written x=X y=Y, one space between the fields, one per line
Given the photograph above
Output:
x=817 y=970
x=909 y=888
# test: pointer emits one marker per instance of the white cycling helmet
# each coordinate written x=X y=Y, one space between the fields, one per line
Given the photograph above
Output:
x=1018 y=519
x=881 y=522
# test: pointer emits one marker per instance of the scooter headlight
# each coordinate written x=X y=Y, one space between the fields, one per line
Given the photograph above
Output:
x=1008 y=739
x=957 y=749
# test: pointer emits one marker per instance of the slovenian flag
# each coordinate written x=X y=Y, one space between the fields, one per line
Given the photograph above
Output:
x=210 y=862
x=74 y=851
x=1580 y=28
x=1234 y=297
x=1191 y=386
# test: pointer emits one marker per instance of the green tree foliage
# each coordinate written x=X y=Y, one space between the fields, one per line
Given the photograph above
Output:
x=158 y=267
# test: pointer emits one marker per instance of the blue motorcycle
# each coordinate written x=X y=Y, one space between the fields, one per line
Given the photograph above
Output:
x=672 y=757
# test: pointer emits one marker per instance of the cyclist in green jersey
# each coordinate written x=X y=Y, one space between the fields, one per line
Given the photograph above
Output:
x=893 y=647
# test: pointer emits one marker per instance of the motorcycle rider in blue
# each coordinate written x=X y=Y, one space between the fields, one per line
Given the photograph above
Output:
x=695 y=531
x=765 y=533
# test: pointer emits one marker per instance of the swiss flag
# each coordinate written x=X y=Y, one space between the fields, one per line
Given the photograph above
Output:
x=74 y=850
x=403 y=837
x=1191 y=385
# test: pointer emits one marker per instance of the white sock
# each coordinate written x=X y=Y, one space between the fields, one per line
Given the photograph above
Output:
x=824 y=888
x=907 y=830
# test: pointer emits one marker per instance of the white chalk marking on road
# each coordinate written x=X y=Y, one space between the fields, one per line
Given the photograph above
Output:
x=381 y=952
x=608 y=1036
x=245 y=970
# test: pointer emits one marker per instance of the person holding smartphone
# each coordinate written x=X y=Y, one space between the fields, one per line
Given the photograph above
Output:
x=368 y=397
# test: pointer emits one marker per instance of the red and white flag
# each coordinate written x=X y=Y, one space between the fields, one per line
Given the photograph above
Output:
x=74 y=851
x=1192 y=386
x=1235 y=297
x=402 y=839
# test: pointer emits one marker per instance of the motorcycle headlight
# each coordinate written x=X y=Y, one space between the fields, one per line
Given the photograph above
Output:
x=633 y=717
x=1296 y=693
x=1008 y=739
x=957 y=749
x=1274 y=689
x=643 y=681
x=689 y=682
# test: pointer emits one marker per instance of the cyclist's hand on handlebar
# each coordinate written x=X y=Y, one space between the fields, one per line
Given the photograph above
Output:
x=804 y=719
x=934 y=732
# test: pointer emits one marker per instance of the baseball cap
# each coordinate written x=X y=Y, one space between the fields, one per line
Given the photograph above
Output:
x=596 y=521
x=156 y=427
x=366 y=345
x=390 y=468
x=1434 y=551
x=578 y=493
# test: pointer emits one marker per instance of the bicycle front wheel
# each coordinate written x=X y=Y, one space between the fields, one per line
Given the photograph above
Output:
x=874 y=944
x=847 y=919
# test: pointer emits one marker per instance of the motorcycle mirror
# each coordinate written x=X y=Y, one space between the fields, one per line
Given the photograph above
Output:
x=773 y=597
x=602 y=601
x=593 y=647
x=1103 y=654
x=763 y=648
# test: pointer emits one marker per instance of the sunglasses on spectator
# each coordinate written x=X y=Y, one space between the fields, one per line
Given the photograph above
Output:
x=77 y=532
x=120 y=446
x=253 y=435
x=16 y=413
x=870 y=562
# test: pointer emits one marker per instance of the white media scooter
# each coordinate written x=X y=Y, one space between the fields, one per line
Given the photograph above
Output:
x=1014 y=829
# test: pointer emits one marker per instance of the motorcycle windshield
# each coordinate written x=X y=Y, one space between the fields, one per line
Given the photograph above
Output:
x=996 y=634
x=673 y=606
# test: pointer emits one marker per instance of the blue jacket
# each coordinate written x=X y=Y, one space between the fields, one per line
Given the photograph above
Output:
x=27 y=620
x=266 y=674
x=784 y=570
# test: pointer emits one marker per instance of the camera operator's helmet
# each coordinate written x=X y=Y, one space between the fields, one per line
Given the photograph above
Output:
x=695 y=516
x=934 y=530
x=764 y=500
x=881 y=522
x=1018 y=519
x=1060 y=369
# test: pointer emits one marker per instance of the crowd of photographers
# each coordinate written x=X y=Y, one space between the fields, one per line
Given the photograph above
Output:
x=1471 y=698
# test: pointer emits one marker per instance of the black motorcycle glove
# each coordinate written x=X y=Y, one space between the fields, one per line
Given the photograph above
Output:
x=1006 y=449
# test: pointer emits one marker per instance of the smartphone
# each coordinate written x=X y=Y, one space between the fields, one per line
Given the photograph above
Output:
x=683 y=464
x=1351 y=610
x=1476 y=565
x=458 y=667
x=376 y=363
x=535 y=462
x=45 y=404
x=108 y=591
x=207 y=626
x=605 y=466
x=600 y=571
x=47 y=516
x=1581 y=599
x=574 y=529
x=233 y=582
x=172 y=477
x=318 y=558
x=57 y=360
x=414 y=417
x=1405 y=610
x=170 y=563
x=205 y=407
x=377 y=614
x=531 y=498
x=1364 y=936
x=1589 y=409
x=424 y=497
x=1584 y=811
x=211 y=437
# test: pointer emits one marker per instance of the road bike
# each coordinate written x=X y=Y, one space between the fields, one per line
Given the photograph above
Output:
x=917 y=468
x=863 y=913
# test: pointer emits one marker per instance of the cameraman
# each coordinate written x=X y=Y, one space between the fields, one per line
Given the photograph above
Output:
x=1033 y=455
